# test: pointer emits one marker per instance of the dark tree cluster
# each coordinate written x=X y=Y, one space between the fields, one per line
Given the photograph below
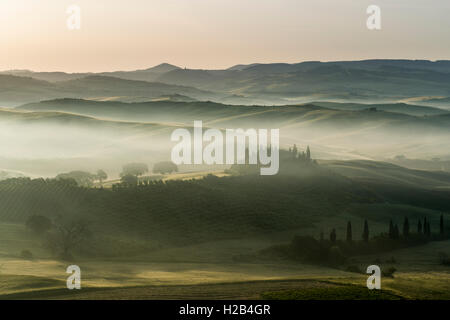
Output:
x=334 y=251
x=83 y=178
x=165 y=167
x=304 y=156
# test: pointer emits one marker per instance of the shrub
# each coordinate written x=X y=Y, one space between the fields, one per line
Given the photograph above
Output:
x=444 y=259
x=26 y=254
x=391 y=260
x=353 y=268
x=335 y=256
x=389 y=272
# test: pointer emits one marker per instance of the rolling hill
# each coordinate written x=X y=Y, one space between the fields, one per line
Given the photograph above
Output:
x=355 y=80
x=343 y=116
x=415 y=110
x=16 y=90
x=149 y=74
x=376 y=81
x=331 y=133
x=212 y=209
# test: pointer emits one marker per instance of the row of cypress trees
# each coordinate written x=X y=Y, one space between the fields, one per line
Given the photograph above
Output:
x=349 y=237
x=394 y=232
x=422 y=228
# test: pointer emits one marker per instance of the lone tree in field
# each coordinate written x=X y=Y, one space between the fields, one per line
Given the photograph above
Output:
x=67 y=236
x=165 y=167
x=349 y=232
x=333 y=235
x=365 y=234
x=441 y=225
x=101 y=176
x=419 y=227
x=134 y=169
x=406 y=227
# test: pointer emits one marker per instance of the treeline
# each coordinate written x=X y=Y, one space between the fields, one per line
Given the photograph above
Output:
x=174 y=211
x=213 y=208
x=130 y=175
x=304 y=156
x=292 y=161
x=83 y=178
x=41 y=182
x=334 y=252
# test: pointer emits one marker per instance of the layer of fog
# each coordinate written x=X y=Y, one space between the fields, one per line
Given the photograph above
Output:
x=48 y=148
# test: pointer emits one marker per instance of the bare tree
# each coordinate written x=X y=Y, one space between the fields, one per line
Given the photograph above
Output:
x=67 y=236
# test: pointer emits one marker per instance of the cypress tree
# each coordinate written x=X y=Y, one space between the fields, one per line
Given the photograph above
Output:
x=425 y=226
x=441 y=225
x=406 y=227
x=391 y=229
x=396 y=233
x=333 y=235
x=301 y=156
x=365 y=235
x=349 y=231
x=419 y=227
x=308 y=154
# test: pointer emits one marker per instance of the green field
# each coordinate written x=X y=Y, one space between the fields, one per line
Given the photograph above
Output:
x=209 y=271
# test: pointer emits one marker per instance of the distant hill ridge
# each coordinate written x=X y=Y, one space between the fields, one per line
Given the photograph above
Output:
x=274 y=83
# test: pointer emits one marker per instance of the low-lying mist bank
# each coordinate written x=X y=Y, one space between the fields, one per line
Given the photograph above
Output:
x=51 y=137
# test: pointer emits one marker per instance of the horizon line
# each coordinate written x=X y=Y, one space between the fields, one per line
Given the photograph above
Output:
x=223 y=69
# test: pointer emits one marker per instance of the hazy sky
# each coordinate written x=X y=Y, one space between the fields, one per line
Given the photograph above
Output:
x=132 y=34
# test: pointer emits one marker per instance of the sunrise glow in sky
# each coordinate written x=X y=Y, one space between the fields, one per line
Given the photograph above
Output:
x=215 y=34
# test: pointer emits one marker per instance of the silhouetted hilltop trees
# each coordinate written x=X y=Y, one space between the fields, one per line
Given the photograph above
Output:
x=303 y=156
x=292 y=161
